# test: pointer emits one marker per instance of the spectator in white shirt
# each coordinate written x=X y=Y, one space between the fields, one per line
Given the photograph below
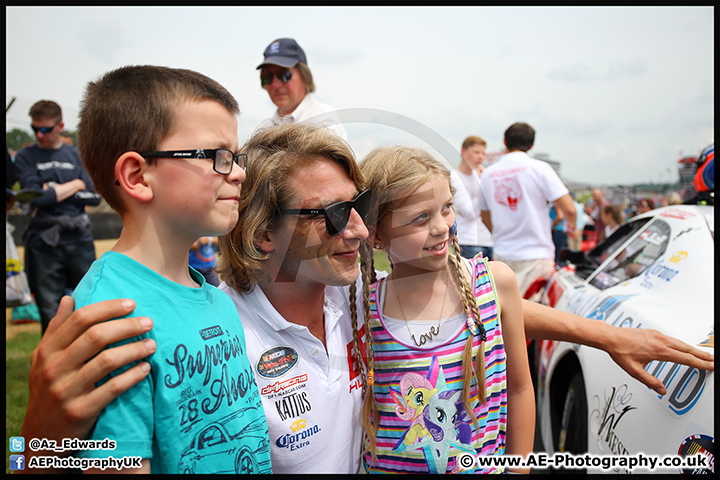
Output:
x=473 y=235
x=516 y=190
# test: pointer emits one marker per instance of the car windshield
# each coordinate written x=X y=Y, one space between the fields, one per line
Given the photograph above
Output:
x=587 y=263
x=601 y=252
x=635 y=257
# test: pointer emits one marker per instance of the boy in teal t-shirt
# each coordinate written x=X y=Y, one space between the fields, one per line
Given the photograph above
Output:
x=159 y=145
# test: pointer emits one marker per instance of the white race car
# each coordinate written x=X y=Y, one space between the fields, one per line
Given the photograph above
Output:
x=655 y=271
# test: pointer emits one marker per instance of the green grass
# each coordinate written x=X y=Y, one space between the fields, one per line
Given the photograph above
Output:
x=381 y=261
x=17 y=368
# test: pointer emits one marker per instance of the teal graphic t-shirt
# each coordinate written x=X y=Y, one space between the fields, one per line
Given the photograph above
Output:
x=199 y=409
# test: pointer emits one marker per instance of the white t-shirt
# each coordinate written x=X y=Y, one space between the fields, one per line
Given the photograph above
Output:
x=310 y=110
x=516 y=190
x=471 y=230
x=312 y=398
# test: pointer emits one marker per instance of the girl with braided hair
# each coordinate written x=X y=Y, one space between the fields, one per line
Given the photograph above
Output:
x=443 y=359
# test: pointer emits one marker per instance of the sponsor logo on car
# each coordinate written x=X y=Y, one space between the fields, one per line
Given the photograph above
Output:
x=684 y=385
x=608 y=414
x=605 y=308
x=699 y=445
x=554 y=292
x=709 y=341
x=653 y=237
x=683 y=232
x=678 y=256
x=676 y=213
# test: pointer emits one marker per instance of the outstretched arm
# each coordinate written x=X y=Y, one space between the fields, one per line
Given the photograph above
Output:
x=630 y=348
x=64 y=402
x=520 y=393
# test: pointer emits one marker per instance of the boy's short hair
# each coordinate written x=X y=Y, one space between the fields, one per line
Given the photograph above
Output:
x=519 y=136
x=44 y=110
x=133 y=109
x=473 y=140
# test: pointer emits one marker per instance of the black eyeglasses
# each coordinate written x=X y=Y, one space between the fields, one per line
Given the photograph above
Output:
x=222 y=158
x=267 y=76
x=43 y=129
x=337 y=215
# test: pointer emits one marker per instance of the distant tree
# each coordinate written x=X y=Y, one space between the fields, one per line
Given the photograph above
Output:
x=15 y=138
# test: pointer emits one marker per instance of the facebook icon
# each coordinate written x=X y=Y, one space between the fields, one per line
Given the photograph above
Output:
x=17 y=462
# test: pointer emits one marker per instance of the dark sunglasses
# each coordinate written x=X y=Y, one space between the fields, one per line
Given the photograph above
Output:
x=266 y=77
x=45 y=130
x=222 y=158
x=337 y=215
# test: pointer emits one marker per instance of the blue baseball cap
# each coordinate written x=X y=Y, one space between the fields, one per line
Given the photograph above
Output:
x=284 y=52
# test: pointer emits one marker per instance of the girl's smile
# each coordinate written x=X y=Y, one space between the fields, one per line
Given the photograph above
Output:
x=417 y=234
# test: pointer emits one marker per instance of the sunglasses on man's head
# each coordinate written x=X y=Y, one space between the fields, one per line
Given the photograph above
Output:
x=337 y=215
x=267 y=76
x=43 y=129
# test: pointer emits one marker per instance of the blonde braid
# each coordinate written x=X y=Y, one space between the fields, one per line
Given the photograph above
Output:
x=369 y=412
x=356 y=346
x=473 y=312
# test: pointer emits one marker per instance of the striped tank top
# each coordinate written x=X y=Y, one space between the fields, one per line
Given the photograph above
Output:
x=423 y=425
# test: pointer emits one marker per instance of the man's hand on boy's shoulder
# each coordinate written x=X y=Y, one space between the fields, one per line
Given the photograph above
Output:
x=67 y=363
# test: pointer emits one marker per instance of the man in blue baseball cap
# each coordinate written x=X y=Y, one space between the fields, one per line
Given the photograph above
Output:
x=285 y=74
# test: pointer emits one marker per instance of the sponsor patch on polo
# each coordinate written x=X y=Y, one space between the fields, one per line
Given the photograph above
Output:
x=301 y=436
x=276 y=361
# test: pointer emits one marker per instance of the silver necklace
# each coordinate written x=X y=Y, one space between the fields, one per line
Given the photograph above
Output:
x=424 y=337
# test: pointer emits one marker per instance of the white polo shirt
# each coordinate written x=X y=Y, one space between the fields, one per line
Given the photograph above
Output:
x=471 y=229
x=310 y=110
x=312 y=398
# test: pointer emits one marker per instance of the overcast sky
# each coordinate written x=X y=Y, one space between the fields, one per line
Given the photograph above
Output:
x=615 y=94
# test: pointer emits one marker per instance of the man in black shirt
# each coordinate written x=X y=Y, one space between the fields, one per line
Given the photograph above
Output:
x=58 y=241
